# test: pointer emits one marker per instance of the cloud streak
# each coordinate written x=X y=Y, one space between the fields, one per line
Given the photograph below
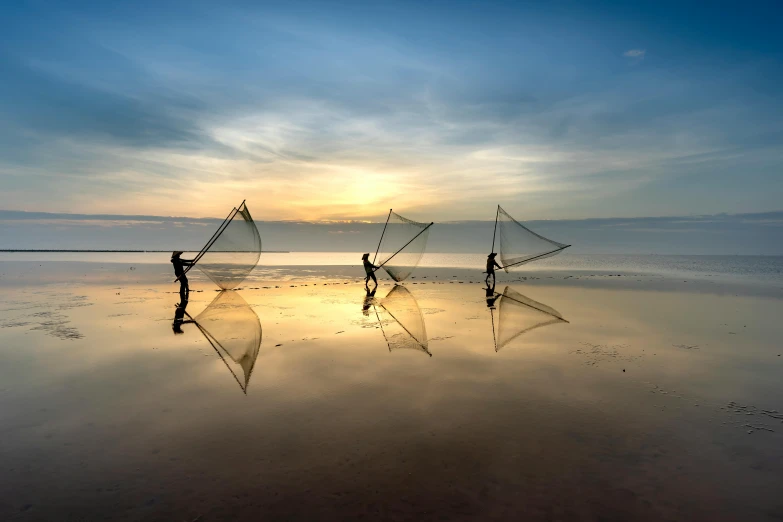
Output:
x=635 y=53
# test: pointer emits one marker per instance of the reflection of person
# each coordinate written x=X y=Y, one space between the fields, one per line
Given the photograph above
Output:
x=179 y=317
x=368 y=300
x=179 y=271
x=491 y=295
x=491 y=264
x=369 y=269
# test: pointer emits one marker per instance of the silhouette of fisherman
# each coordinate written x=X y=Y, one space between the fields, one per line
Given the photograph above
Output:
x=491 y=264
x=179 y=271
x=368 y=299
x=369 y=269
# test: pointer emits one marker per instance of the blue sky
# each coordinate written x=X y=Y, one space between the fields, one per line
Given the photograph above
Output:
x=342 y=110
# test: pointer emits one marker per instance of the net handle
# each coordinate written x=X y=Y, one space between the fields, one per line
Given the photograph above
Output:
x=406 y=244
x=214 y=237
x=494 y=338
x=495 y=230
x=209 y=338
x=219 y=231
x=534 y=308
x=505 y=267
x=381 y=324
x=382 y=233
x=403 y=327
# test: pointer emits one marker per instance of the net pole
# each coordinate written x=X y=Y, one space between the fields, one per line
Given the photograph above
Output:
x=536 y=257
x=382 y=233
x=535 y=308
x=381 y=325
x=406 y=330
x=209 y=340
x=494 y=231
x=206 y=334
x=219 y=232
x=211 y=241
x=406 y=244
x=215 y=237
x=494 y=338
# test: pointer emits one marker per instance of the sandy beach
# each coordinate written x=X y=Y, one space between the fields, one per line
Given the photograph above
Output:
x=651 y=399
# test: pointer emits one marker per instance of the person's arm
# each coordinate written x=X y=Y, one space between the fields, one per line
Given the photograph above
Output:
x=187 y=262
x=496 y=264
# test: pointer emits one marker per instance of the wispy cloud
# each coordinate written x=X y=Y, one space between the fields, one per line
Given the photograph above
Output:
x=635 y=53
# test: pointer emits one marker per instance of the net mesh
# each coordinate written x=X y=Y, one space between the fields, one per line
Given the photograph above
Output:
x=519 y=244
x=403 y=322
x=402 y=246
x=234 y=331
x=518 y=314
x=234 y=252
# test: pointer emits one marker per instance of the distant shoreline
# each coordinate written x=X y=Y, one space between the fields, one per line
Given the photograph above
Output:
x=132 y=251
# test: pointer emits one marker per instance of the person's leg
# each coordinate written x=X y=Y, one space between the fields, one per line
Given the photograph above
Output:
x=372 y=274
x=184 y=289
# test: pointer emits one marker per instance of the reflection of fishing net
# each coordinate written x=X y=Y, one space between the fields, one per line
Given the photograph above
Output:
x=402 y=246
x=234 y=331
x=518 y=314
x=404 y=325
x=233 y=252
x=519 y=244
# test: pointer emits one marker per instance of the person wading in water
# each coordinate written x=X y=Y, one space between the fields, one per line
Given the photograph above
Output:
x=369 y=269
x=179 y=271
x=491 y=264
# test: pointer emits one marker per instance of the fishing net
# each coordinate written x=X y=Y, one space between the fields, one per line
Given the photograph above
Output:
x=402 y=245
x=233 y=251
x=519 y=244
x=518 y=314
x=403 y=322
x=234 y=331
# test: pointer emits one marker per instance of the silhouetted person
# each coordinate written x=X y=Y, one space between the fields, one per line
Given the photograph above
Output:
x=179 y=271
x=491 y=264
x=491 y=295
x=369 y=269
x=368 y=300
x=179 y=317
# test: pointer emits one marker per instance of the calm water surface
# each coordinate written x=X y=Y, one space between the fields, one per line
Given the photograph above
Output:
x=313 y=401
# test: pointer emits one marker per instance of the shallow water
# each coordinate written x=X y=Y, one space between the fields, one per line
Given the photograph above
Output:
x=747 y=269
x=642 y=403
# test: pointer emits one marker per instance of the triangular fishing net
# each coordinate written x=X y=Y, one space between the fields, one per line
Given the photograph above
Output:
x=519 y=244
x=403 y=322
x=518 y=314
x=402 y=245
x=233 y=252
x=234 y=331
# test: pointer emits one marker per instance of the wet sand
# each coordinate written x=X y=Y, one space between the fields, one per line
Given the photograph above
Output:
x=656 y=400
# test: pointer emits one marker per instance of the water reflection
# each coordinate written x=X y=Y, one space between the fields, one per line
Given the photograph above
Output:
x=403 y=323
x=517 y=315
x=179 y=315
x=369 y=299
x=234 y=331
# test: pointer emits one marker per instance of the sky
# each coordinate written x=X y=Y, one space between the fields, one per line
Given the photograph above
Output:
x=440 y=110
